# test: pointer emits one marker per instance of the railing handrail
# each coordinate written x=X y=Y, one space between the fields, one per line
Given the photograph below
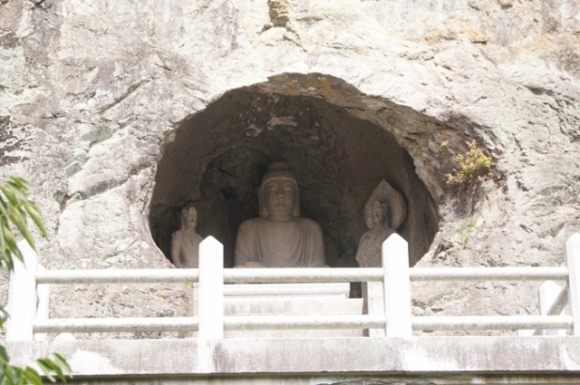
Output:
x=294 y=322
x=492 y=322
x=116 y=276
x=304 y=275
x=117 y=325
x=539 y=273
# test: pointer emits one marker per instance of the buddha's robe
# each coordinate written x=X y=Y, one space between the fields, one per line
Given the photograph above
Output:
x=294 y=243
x=185 y=249
x=369 y=253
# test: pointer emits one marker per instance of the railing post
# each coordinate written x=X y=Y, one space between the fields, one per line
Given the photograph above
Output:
x=211 y=289
x=573 y=262
x=22 y=299
x=397 y=287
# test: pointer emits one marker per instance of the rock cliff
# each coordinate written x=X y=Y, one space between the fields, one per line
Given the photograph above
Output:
x=92 y=94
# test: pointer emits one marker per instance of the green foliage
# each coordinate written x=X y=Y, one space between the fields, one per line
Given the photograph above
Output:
x=53 y=366
x=3 y=315
x=465 y=230
x=15 y=209
x=470 y=166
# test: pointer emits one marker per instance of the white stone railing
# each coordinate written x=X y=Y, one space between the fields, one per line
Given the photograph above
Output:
x=29 y=295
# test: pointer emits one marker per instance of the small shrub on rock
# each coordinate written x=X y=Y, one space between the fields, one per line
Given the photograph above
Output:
x=470 y=166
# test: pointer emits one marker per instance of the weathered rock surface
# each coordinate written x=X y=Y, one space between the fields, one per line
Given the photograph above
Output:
x=92 y=92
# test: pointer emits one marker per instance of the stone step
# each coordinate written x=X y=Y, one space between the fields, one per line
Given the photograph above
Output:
x=298 y=306
x=290 y=299
x=288 y=290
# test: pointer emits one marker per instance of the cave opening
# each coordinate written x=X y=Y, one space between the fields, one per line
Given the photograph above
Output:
x=218 y=157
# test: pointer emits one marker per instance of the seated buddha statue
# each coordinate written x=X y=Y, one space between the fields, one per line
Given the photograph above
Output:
x=279 y=237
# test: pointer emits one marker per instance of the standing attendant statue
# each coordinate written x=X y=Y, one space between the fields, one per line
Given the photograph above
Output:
x=185 y=242
x=279 y=237
x=384 y=212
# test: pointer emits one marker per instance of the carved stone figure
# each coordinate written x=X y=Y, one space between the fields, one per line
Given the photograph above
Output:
x=384 y=212
x=185 y=242
x=279 y=237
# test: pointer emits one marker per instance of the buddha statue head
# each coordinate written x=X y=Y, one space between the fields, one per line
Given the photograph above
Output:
x=279 y=194
x=188 y=218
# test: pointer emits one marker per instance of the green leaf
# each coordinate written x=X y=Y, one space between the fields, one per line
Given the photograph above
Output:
x=10 y=194
x=3 y=205
x=18 y=375
x=32 y=376
x=13 y=374
x=19 y=219
x=58 y=371
x=7 y=259
x=3 y=223
x=3 y=355
x=52 y=366
x=11 y=242
x=19 y=193
x=3 y=314
x=60 y=360
x=34 y=213
x=46 y=368
x=5 y=255
x=20 y=182
x=6 y=379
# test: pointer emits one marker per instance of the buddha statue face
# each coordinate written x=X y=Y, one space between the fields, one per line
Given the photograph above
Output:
x=188 y=218
x=279 y=194
x=279 y=197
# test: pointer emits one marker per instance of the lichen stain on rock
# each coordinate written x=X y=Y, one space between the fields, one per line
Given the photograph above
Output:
x=456 y=30
x=8 y=142
x=8 y=39
x=312 y=86
x=279 y=12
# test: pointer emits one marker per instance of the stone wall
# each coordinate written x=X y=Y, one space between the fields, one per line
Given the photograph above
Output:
x=92 y=93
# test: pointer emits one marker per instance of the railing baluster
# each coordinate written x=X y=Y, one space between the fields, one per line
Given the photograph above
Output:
x=43 y=308
x=375 y=304
x=211 y=289
x=573 y=262
x=548 y=294
x=397 y=287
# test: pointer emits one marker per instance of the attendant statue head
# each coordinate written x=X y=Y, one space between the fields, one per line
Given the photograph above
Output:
x=380 y=215
x=188 y=218
x=279 y=194
x=385 y=208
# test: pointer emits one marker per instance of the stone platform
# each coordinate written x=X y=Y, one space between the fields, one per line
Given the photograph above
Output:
x=416 y=360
